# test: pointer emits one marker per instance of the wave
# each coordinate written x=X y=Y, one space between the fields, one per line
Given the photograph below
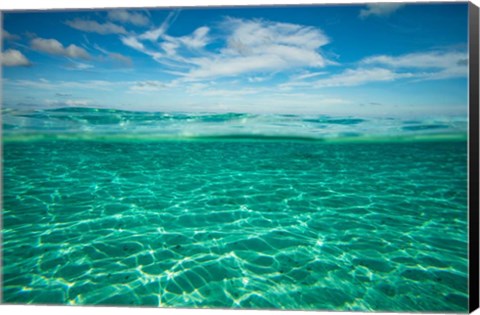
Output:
x=424 y=127
x=90 y=123
x=111 y=138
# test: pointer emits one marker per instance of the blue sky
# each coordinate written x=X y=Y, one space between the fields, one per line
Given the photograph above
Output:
x=365 y=60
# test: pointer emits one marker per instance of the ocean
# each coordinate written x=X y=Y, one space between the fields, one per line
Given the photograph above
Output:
x=298 y=212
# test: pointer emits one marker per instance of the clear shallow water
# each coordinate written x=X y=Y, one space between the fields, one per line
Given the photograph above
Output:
x=235 y=221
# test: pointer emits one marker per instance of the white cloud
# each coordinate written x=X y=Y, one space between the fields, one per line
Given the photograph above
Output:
x=197 y=86
x=415 y=66
x=168 y=44
x=47 y=84
x=380 y=9
x=262 y=46
x=353 y=77
x=54 y=47
x=124 y=60
x=68 y=102
x=116 y=57
x=170 y=48
x=14 y=58
x=7 y=36
x=194 y=42
x=419 y=60
x=228 y=93
x=148 y=86
x=154 y=34
x=233 y=66
x=78 y=66
x=258 y=79
x=198 y=39
x=133 y=42
x=251 y=35
x=307 y=75
x=436 y=65
x=124 y=16
x=95 y=27
x=250 y=47
x=302 y=79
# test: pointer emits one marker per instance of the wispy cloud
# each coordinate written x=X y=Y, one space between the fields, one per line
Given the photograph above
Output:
x=163 y=48
x=154 y=34
x=225 y=92
x=383 y=68
x=55 y=85
x=116 y=57
x=197 y=40
x=119 y=58
x=54 y=47
x=263 y=46
x=133 y=42
x=68 y=102
x=14 y=58
x=170 y=46
x=8 y=36
x=258 y=79
x=360 y=76
x=380 y=9
x=302 y=79
x=96 y=27
x=307 y=75
x=250 y=47
x=434 y=65
x=148 y=86
x=229 y=66
x=78 y=66
x=124 y=16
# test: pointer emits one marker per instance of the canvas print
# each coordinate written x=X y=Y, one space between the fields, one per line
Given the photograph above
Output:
x=258 y=157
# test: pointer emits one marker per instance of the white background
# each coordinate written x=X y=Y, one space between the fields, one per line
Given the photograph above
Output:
x=56 y=4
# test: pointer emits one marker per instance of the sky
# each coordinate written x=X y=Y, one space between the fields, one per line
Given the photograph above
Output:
x=369 y=60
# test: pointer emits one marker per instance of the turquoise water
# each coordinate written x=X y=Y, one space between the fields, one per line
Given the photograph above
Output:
x=234 y=211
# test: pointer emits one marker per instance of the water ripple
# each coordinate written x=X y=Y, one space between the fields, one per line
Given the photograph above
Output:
x=289 y=225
